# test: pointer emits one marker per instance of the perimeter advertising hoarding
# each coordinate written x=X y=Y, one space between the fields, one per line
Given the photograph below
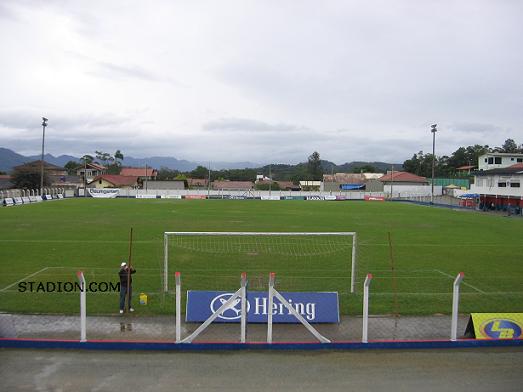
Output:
x=496 y=325
x=270 y=197
x=374 y=198
x=106 y=193
x=315 y=307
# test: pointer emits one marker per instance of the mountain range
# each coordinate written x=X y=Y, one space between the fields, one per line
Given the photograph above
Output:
x=10 y=159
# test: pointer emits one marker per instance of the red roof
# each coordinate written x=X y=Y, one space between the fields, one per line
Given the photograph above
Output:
x=232 y=185
x=197 y=181
x=117 y=180
x=398 y=176
x=468 y=167
x=96 y=166
x=138 y=172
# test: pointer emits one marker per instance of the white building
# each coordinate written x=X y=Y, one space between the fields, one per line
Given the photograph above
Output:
x=500 y=188
x=498 y=160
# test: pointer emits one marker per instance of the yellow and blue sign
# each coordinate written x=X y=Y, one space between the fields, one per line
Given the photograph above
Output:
x=497 y=325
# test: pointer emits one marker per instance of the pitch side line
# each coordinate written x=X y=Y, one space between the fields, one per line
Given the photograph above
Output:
x=86 y=269
x=440 y=245
x=24 y=278
x=463 y=282
x=84 y=241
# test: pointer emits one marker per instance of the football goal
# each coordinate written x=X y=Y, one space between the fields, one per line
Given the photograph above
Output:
x=305 y=261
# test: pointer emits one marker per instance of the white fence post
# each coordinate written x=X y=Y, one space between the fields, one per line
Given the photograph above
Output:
x=165 y=263
x=226 y=305
x=365 y=333
x=178 y=281
x=353 y=266
x=269 y=309
x=455 y=307
x=243 y=319
x=274 y=293
x=83 y=311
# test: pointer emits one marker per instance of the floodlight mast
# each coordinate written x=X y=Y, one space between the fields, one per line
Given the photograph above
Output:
x=433 y=130
x=44 y=124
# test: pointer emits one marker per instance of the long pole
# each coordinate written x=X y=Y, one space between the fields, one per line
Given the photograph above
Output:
x=209 y=183
x=44 y=124
x=391 y=180
x=129 y=266
x=85 y=177
x=433 y=130
x=270 y=178
x=146 y=178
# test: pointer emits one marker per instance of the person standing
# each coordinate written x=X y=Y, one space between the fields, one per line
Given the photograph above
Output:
x=126 y=281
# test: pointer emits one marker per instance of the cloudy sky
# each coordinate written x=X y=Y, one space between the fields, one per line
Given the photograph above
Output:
x=263 y=81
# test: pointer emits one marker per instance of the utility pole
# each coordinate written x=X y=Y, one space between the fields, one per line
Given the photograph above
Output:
x=433 y=130
x=146 y=178
x=209 y=183
x=44 y=124
x=270 y=178
x=391 y=179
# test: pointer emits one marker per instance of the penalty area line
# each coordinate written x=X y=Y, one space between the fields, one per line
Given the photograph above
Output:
x=24 y=278
x=463 y=282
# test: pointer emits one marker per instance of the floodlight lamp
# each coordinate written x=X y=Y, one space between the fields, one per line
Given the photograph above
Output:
x=433 y=126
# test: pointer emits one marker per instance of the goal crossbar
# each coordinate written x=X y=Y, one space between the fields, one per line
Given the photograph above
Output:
x=167 y=234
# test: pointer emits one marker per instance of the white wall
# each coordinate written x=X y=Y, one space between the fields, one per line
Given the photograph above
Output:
x=488 y=185
x=413 y=190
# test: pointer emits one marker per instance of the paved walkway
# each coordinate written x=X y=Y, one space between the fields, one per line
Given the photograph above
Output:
x=420 y=370
x=135 y=327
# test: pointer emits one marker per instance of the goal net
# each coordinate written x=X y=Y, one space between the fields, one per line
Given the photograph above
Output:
x=303 y=261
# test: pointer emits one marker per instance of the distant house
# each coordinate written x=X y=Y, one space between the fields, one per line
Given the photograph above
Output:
x=233 y=185
x=197 y=183
x=402 y=178
x=465 y=170
x=113 y=181
x=288 y=186
x=282 y=185
x=143 y=173
x=310 y=185
x=352 y=182
x=5 y=181
x=165 y=185
x=49 y=169
x=69 y=182
x=90 y=171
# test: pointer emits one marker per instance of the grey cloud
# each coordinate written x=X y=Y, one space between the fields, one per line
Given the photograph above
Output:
x=249 y=125
x=470 y=127
x=31 y=119
x=116 y=71
x=111 y=71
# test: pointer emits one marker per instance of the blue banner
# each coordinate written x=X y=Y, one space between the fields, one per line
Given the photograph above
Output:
x=315 y=307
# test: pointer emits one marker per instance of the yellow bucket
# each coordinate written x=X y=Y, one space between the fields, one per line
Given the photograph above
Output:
x=143 y=299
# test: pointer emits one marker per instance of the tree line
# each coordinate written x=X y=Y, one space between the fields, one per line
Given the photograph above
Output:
x=311 y=170
x=446 y=166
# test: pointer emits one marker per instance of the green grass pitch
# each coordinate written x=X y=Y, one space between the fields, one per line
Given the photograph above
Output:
x=50 y=241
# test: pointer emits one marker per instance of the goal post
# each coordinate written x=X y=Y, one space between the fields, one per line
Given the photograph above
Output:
x=316 y=247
